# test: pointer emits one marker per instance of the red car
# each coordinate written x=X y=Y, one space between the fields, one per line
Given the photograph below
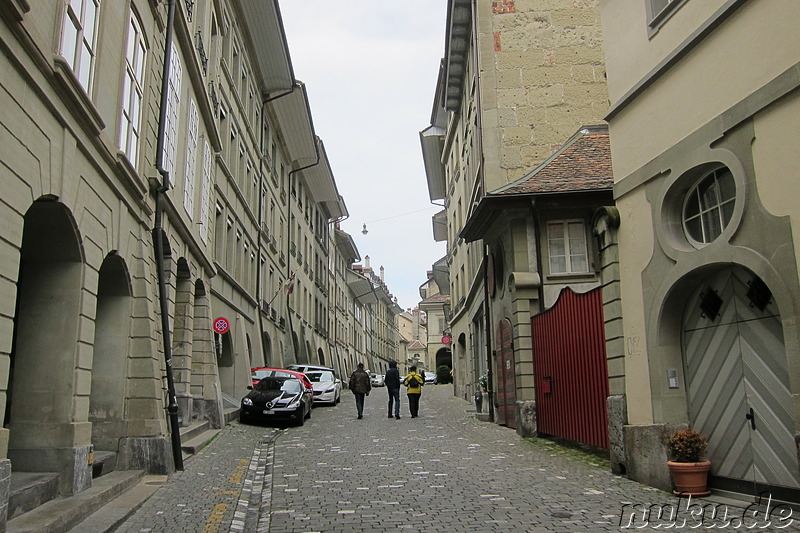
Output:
x=261 y=372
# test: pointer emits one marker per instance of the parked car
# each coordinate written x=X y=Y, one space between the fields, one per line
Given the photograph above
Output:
x=430 y=378
x=258 y=373
x=327 y=387
x=378 y=380
x=277 y=398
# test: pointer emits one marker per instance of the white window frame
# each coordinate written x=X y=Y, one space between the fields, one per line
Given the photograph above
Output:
x=710 y=210
x=190 y=174
x=173 y=108
x=205 y=192
x=79 y=39
x=132 y=91
x=573 y=248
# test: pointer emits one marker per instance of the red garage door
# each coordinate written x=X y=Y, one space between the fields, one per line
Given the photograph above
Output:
x=569 y=362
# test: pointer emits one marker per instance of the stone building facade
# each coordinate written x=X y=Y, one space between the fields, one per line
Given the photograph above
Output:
x=707 y=236
x=100 y=159
x=517 y=80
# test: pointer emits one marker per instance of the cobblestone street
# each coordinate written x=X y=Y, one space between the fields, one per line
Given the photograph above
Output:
x=444 y=471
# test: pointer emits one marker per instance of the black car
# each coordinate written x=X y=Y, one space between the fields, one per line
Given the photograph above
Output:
x=277 y=398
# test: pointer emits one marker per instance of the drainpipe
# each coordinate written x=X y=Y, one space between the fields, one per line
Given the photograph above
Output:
x=158 y=243
x=489 y=351
x=259 y=245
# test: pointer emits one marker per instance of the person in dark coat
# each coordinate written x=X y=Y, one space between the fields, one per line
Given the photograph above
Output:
x=392 y=382
x=360 y=385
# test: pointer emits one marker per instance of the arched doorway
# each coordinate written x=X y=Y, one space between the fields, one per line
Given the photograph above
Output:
x=506 y=377
x=444 y=356
x=182 y=341
x=225 y=362
x=44 y=343
x=737 y=382
x=266 y=344
x=111 y=345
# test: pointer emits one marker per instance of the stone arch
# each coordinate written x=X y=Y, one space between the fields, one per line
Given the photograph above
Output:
x=182 y=339
x=444 y=356
x=111 y=347
x=44 y=365
x=206 y=391
x=266 y=344
x=225 y=361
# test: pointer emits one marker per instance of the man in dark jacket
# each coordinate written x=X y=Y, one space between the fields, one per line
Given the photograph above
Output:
x=360 y=385
x=392 y=381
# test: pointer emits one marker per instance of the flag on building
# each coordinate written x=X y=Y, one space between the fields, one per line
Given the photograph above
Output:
x=290 y=284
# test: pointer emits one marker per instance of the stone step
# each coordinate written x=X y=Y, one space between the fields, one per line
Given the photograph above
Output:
x=105 y=462
x=194 y=429
x=61 y=514
x=29 y=490
x=197 y=443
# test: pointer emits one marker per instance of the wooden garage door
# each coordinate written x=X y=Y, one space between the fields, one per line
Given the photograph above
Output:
x=738 y=381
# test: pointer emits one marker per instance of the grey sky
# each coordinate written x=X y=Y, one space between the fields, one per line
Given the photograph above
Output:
x=370 y=69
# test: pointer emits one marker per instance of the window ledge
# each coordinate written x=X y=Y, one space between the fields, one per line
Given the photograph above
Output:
x=82 y=106
x=133 y=181
x=573 y=276
x=16 y=8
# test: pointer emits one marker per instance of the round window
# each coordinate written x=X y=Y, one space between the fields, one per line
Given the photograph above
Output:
x=709 y=206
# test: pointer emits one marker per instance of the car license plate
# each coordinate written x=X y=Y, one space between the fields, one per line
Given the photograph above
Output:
x=269 y=412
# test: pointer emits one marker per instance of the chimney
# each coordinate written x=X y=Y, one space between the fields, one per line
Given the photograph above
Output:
x=381 y=273
x=366 y=262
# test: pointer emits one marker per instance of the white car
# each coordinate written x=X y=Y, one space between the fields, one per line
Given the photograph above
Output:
x=327 y=387
x=378 y=380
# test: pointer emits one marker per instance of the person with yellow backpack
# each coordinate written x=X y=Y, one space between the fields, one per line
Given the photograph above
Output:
x=413 y=382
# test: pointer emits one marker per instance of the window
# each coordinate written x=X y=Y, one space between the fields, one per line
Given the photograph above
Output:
x=191 y=160
x=709 y=206
x=566 y=244
x=658 y=11
x=132 y=91
x=205 y=192
x=79 y=38
x=173 y=105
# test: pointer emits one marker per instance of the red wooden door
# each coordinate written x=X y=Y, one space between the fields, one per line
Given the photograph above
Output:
x=506 y=378
x=569 y=365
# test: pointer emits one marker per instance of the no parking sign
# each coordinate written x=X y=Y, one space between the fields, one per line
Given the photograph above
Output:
x=221 y=325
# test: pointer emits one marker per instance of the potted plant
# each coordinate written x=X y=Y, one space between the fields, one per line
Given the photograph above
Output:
x=689 y=471
x=483 y=382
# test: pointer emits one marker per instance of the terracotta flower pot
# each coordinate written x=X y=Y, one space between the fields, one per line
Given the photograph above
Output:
x=691 y=479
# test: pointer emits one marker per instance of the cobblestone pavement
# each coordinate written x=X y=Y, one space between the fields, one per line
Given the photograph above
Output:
x=444 y=471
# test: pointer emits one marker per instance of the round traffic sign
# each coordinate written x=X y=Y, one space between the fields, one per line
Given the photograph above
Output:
x=446 y=339
x=221 y=325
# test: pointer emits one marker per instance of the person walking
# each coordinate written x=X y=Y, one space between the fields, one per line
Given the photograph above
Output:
x=414 y=382
x=392 y=382
x=360 y=385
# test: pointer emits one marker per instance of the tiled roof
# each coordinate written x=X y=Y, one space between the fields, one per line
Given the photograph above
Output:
x=582 y=164
x=416 y=345
x=437 y=298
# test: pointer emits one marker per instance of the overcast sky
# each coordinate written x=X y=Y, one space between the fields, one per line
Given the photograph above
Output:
x=370 y=69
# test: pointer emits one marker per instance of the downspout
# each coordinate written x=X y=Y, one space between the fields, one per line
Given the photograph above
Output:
x=158 y=243
x=489 y=353
x=538 y=241
x=259 y=245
